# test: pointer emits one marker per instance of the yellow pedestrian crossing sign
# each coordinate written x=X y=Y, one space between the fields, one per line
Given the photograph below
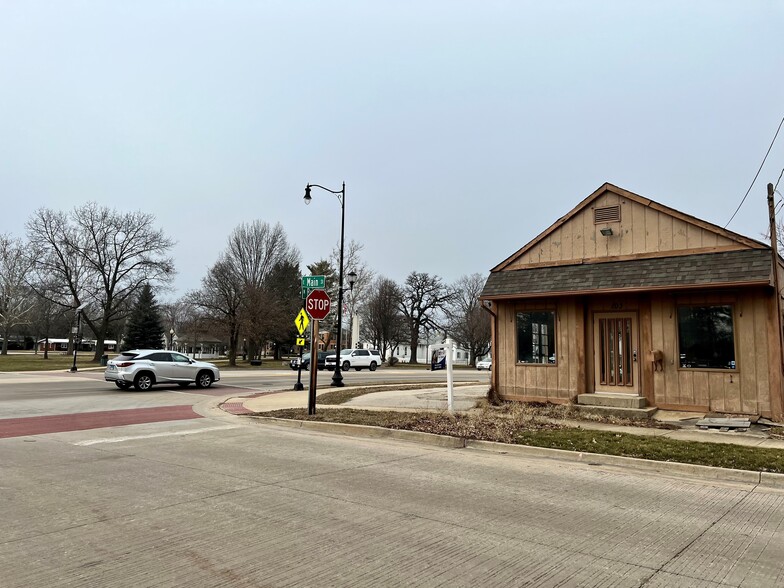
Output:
x=302 y=321
x=300 y=341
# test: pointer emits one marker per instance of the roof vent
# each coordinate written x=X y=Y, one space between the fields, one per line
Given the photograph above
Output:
x=607 y=214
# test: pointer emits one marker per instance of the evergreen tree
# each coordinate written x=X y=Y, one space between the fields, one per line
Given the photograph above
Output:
x=145 y=328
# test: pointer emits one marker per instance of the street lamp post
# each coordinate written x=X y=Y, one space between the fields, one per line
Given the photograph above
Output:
x=171 y=339
x=77 y=334
x=337 y=376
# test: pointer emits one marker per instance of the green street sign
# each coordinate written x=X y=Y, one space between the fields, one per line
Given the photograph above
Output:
x=313 y=282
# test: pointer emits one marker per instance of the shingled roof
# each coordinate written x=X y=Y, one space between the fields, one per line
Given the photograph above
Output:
x=751 y=266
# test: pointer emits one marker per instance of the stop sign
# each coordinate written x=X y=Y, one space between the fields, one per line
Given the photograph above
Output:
x=317 y=304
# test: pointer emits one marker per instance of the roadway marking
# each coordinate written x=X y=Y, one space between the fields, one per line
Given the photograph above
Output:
x=154 y=435
x=61 y=423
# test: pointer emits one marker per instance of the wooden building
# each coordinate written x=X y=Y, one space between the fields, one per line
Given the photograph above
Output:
x=626 y=298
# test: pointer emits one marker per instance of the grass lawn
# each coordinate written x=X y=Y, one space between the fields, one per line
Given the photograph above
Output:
x=29 y=362
x=266 y=364
x=534 y=426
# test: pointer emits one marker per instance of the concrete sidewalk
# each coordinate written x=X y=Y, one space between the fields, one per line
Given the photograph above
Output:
x=465 y=398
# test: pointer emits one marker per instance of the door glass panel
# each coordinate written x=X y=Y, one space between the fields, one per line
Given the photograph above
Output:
x=615 y=351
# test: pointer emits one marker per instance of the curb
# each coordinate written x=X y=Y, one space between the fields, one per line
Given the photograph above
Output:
x=369 y=432
x=707 y=473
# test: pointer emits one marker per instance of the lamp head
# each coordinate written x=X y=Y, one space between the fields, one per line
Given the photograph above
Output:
x=352 y=277
x=606 y=231
x=307 y=194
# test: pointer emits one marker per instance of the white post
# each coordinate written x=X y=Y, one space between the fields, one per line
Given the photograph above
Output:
x=449 y=391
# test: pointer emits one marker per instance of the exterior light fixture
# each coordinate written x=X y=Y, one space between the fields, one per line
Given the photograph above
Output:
x=352 y=278
x=606 y=231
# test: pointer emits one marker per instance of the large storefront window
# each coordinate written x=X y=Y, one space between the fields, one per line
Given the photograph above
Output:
x=536 y=337
x=706 y=337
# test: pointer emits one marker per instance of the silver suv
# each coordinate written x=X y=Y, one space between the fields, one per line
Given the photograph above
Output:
x=142 y=368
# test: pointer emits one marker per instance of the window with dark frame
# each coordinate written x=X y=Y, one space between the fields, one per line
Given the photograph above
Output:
x=536 y=336
x=706 y=337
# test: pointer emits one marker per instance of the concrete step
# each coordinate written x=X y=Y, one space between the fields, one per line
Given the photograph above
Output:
x=620 y=412
x=612 y=400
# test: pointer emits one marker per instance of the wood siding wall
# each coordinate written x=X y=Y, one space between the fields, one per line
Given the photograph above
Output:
x=543 y=382
x=641 y=231
x=748 y=389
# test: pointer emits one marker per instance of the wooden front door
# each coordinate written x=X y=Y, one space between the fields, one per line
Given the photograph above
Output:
x=615 y=348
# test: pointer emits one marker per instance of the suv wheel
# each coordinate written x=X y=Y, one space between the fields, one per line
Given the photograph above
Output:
x=373 y=366
x=143 y=381
x=204 y=379
x=346 y=366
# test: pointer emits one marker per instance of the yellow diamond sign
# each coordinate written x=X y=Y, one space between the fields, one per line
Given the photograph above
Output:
x=302 y=321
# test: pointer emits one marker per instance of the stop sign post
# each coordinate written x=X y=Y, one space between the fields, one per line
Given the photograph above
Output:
x=317 y=304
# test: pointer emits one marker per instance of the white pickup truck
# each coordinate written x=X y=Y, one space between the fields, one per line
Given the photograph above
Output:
x=354 y=358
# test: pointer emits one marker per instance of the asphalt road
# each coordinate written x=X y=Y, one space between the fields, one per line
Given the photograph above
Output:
x=227 y=502
x=49 y=393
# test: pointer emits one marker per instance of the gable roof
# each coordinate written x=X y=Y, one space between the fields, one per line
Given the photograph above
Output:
x=742 y=241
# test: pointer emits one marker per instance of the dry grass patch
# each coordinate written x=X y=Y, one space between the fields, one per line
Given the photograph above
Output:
x=538 y=426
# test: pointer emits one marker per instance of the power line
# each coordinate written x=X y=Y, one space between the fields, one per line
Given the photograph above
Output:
x=757 y=174
x=777 y=181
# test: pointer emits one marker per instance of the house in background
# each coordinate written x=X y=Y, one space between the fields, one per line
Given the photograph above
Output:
x=628 y=302
x=85 y=345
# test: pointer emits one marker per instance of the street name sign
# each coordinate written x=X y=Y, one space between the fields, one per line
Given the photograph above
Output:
x=314 y=282
x=318 y=304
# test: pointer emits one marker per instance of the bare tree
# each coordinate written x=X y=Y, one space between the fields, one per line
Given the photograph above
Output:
x=470 y=325
x=173 y=313
x=99 y=257
x=255 y=248
x=16 y=300
x=424 y=297
x=47 y=317
x=220 y=300
x=255 y=251
x=382 y=322
x=239 y=292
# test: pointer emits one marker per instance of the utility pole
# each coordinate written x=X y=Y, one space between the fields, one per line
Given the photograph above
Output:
x=776 y=285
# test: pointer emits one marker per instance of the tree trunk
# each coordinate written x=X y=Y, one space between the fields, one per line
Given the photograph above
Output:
x=100 y=335
x=414 y=346
x=234 y=337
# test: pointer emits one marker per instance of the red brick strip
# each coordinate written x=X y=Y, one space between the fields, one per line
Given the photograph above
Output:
x=60 y=423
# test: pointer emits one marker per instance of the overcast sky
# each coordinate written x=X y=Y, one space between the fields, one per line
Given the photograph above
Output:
x=461 y=128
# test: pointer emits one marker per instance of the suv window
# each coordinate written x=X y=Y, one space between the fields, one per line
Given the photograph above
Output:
x=180 y=358
x=126 y=357
x=160 y=356
x=362 y=353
